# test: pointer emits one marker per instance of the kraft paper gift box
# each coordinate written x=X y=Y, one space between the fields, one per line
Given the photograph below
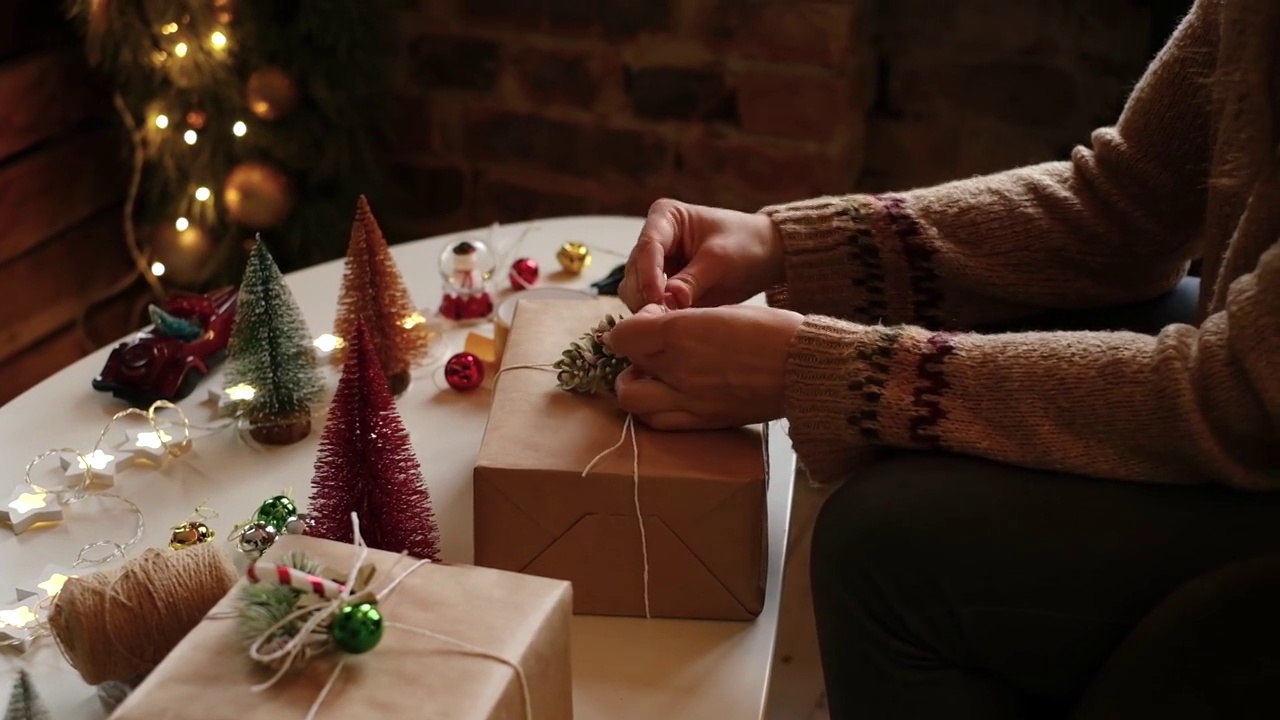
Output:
x=702 y=494
x=408 y=675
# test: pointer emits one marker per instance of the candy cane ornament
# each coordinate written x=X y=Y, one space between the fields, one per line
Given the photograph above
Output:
x=272 y=574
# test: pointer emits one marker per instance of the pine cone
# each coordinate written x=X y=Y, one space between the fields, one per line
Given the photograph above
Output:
x=588 y=367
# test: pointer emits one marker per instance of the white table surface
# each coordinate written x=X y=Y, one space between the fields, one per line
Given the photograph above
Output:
x=623 y=668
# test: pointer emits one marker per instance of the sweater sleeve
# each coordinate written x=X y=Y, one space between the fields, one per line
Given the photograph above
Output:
x=1190 y=405
x=1116 y=223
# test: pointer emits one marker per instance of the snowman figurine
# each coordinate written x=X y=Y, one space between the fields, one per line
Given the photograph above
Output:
x=466 y=267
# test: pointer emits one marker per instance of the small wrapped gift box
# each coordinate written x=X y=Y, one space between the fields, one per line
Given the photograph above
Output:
x=408 y=674
x=701 y=494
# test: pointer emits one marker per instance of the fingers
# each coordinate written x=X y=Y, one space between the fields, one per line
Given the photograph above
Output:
x=687 y=287
x=645 y=280
x=653 y=402
x=640 y=335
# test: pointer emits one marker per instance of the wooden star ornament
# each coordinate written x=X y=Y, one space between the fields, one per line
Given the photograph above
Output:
x=27 y=506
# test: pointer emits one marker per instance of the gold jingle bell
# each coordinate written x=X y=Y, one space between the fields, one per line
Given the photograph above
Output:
x=189 y=534
x=574 y=257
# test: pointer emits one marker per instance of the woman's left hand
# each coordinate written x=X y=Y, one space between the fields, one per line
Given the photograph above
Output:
x=704 y=368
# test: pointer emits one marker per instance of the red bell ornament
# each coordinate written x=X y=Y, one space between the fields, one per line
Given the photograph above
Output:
x=464 y=372
x=523 y=274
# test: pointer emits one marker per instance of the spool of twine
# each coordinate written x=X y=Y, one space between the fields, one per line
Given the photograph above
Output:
x=120 y=624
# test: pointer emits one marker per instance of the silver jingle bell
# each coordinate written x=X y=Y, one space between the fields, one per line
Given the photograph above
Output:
x=296 y=525
x=256 y=537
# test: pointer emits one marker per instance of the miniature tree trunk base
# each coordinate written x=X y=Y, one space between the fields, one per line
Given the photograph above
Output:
x=280 y=431
x=397 y=383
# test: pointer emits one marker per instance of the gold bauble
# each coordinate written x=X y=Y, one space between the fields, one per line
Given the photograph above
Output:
x=257 y=195
x=189 y=534
x=271 y=93
x=574 y=257
x=187 y=254
x=224 y=10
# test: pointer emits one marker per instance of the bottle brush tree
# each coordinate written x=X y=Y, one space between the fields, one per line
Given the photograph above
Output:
x=270 y=351
x=366 y=465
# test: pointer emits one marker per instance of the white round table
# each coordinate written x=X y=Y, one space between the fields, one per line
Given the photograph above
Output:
x=623 y=668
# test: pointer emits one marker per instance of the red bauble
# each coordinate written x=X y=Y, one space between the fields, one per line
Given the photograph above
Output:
x=464 y=372
x=524 y=273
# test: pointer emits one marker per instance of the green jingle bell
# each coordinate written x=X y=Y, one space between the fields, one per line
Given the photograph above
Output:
x=276 y=512
x=357 y=628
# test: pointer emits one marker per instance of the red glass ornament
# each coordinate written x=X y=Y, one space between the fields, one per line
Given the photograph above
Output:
x=524 y=273
x=464 y=372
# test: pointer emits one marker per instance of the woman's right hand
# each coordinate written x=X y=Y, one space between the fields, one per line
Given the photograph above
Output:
x=696 y=256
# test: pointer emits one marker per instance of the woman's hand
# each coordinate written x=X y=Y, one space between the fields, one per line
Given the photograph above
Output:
x=704 y=368
x=690 y=255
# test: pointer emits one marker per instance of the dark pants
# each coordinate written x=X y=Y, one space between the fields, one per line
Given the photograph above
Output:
x=950 y=587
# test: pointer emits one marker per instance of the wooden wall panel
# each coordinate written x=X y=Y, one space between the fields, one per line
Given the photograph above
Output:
x=63 y=172
x=44 y=95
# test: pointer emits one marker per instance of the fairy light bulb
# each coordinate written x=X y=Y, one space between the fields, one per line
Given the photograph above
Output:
x=162 y=121
x=218 y=39
x=153 y=440
x=26 y=502
x=239 y=129
x=412 y=321
x=180 y=49
x=169 y=28
x=54 y=584
x=18 y=617
x=181 y=224
x=240 y=393
x=98 y=460
x=328 y=343
x=202 y=194
x=190 y=136
x=157 y=268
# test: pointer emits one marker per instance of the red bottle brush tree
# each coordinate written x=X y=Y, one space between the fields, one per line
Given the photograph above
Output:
x=373 y=294
x=366 y=465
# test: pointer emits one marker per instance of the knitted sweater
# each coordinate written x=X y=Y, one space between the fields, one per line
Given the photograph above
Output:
x=896 y=289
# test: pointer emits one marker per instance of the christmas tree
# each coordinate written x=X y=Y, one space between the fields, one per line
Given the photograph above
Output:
x=366 y=465
x=270 y=351
x=242 y=116
x=374 y=295
x=24 y=703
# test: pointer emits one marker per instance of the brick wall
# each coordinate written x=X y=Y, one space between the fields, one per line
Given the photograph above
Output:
x=515 y=109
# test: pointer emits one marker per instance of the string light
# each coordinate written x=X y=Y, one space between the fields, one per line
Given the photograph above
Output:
x=162 y=121
x=202 y=193
x=157 y=268
x=169 y=29
x=180 y=49
x=412 y=321
x=218 y=39
x=239 y=129
x=240 y=393
x=190 y=136
x=328 y=343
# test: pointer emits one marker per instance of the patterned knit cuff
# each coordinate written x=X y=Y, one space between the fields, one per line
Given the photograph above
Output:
x=851 y=385
x=860 y=257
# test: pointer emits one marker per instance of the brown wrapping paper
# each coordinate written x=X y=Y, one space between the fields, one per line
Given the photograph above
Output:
x=522 y=618
x=702 y=494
